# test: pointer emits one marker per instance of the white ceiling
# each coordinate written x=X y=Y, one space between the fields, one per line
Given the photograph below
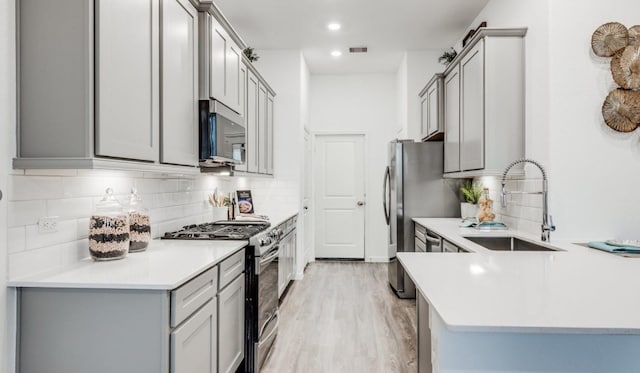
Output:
x=387 y=27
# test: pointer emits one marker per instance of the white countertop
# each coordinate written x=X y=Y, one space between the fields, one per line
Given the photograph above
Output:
x=578 y=290
x=165 y=265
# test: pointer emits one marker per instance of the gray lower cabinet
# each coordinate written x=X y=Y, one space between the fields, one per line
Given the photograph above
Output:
x=287 y=255
x=231 y=326
x=179 y=112
x=194 y=343
x=424 y=335
x=196 y=328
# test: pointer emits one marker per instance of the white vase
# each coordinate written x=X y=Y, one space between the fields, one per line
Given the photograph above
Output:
x=219 y=213
x=468 y=210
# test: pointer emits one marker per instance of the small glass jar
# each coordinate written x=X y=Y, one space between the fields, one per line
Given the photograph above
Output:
x=139 y=224
x=109 y=230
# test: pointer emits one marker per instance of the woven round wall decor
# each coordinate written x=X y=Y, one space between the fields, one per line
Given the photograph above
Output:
x=634 y=35
x=625 y=67
x=621 y=110
x=609 y=38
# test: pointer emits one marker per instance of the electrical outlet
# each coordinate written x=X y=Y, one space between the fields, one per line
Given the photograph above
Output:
x=48 y=224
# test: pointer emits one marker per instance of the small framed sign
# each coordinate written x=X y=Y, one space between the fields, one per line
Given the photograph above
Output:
x=245 y=202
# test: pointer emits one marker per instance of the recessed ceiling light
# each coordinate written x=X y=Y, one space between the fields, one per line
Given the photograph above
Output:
x=334 y=26
x=336 y=53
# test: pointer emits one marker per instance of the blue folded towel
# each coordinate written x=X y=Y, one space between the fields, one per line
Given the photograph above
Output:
x=483 y=225
x=613 y=249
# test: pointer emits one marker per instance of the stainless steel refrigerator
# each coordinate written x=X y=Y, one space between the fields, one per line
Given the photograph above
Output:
x=414 y=187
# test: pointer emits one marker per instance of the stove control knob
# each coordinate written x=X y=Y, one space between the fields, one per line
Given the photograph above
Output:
x=265 y=241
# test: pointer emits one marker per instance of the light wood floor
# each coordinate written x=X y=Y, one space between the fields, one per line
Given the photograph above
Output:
x=343 y=317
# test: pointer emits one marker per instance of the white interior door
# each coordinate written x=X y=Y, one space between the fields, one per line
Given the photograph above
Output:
x=307 y=221
x=339 y=166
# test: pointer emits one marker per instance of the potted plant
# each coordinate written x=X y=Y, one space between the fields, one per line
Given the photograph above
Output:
x=471 y=193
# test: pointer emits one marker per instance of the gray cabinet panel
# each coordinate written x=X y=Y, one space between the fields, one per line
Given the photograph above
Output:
x=270 y=132
x=424 y=335
x=93 y=330
x=253 y=146
x=243 y=112
x=452 y=121
x=179 y=113
x=127 y=84
x=194 y=343
x=231 y=326
x=55 y=78
x=263 y=132
x=218 y=50
x=473 y=103
x=234 y=60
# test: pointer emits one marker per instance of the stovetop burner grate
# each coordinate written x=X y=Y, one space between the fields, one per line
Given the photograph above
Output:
x=218 y=231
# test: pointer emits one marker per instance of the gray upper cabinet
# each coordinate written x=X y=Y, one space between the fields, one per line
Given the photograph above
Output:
x=485 y=104
x=432 y=109
x=472 y=97
x=102 y=58
x=179 y=114
x=251 y=114
x=452 y=121
x=270 y=133
x=263 y=130
x=244 y=167
x=221 y=58
x=127 y=84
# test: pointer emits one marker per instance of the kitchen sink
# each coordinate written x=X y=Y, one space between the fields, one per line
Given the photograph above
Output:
x=508 y=243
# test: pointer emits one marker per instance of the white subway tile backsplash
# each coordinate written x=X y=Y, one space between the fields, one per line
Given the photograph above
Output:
x=70 y=207
x=174 y=201
x=16 y=239
x=23 y=188
x=21 y=213
x=67 y=231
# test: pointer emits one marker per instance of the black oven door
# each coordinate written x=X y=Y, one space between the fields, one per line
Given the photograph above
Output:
x=267 y=269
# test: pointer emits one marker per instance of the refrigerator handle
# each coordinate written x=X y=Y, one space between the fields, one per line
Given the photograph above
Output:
x=386 y=195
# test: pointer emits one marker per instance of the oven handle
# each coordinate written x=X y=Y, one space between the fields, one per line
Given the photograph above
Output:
x=269 y=257
x=274 y=330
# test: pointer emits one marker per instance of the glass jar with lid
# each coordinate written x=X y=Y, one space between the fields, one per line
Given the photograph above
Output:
x=109 y=229
x=139 y=224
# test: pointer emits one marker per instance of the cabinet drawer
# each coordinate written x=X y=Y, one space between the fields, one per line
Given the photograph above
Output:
x=230 y=268
x=421 y=232
x=448 y=247
x=186 y=299
x=420 y=246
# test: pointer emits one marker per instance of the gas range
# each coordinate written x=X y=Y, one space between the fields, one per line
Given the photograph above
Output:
x=256 y=232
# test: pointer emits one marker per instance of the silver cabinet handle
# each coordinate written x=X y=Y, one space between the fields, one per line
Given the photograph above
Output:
x=432 y=240
x=0 y=195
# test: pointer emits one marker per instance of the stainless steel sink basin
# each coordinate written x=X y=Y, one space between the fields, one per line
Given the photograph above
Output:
x=508 y=243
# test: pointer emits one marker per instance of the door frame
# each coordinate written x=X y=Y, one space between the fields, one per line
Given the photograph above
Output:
x=315 y=135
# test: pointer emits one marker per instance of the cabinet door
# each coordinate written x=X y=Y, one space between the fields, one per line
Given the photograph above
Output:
x=127 y=79
x=179 y=116
x=452 y=121
x=218 y=62
x=433 y=117
x=270 y=130
x=243 y=111
x=263 y=132
x=194 y=343
x=472 y=99
x=251 y=114
x=231 y=326
x=294 y=251
x=424 y=335
x=424 y=117
x=234 y=60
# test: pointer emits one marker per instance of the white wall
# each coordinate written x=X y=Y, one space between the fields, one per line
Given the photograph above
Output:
x=593 y=170
x=416 y=69
x=364 y=103
x=287 y=74
x=7 y=134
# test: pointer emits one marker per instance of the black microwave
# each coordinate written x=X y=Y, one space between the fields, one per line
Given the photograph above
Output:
x=222 y=135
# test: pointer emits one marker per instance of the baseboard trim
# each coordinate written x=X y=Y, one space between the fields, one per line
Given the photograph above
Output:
x=377 y=259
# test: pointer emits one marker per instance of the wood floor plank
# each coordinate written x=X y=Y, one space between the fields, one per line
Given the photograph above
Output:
x=343 y=317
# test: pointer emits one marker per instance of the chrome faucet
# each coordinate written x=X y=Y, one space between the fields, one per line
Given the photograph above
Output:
x=547 y=220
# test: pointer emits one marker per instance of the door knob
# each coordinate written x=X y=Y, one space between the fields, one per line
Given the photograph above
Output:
x=360 y=203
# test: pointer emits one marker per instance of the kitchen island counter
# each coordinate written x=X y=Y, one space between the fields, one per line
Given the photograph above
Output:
x=574 y=310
